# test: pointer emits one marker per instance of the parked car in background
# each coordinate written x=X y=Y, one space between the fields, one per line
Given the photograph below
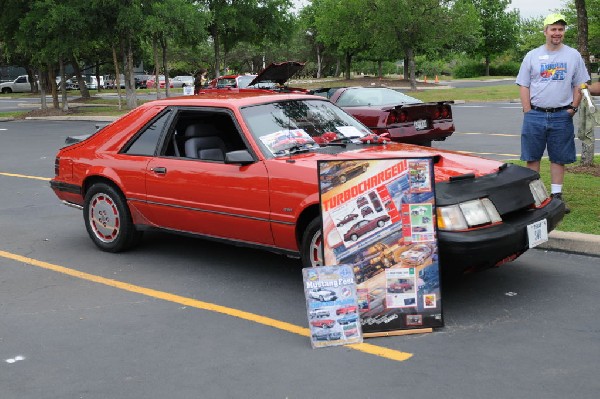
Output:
x=231 y=81
x=202 y=165
x=141 y=81
x=20 y=85
x=396 y=115
x=182 y=81
x=273 y=77
x=151 y=82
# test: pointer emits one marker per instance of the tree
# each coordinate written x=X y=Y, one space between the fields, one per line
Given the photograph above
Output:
x=244 y=21
x=499 y=28
x=168 y=21
x=416 y=26
x=342 y=24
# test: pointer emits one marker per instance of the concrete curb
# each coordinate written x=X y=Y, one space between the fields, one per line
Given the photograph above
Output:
x=578 y=243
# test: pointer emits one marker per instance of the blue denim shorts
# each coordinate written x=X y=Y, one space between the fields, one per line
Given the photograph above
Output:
x=548 y=130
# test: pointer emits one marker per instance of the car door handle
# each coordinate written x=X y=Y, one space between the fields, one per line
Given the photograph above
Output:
x=159 y=170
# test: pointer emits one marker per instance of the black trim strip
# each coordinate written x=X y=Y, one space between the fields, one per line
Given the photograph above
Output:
x=66 y=187
x=229 y=241
x=213 y=212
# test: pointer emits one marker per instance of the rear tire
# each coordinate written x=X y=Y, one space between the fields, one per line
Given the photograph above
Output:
x=108 y=220
x=311 y=251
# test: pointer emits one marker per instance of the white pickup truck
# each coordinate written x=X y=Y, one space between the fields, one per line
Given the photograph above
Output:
x=19 y=85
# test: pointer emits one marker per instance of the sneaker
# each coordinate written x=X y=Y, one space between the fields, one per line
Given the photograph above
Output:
x=558 y=196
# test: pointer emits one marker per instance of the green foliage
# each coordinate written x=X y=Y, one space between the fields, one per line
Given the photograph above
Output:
x=499 y=26
x=468 y=69
x=431 y=68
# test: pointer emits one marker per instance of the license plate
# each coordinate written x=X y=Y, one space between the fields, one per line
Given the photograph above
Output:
x=537 y=233
x=421 y=124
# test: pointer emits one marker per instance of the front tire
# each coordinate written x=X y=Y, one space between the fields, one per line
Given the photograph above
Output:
x=312 y=245
x=108 y=220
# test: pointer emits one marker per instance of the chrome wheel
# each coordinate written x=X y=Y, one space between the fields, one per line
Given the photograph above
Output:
x=104 y=218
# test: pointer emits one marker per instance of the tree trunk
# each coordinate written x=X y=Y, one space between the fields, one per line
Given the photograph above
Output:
x=410 y=56
x=217 y=49
x=582 y=32
x=63 y=85
x=32 y=80
x=406 y=69
x=156 y=67
x=98 y=85
x=163 y=45
x=52 y=81
x=587 y=147
x=347 y=65
x=82 y=87
x=117 y=73
x=130 y=95
x=319 y=62
x=380 y=69
x=337 y=68
x=487 y=65
x=43 y=102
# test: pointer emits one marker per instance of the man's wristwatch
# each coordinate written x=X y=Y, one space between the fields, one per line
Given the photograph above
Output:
x=574 y=108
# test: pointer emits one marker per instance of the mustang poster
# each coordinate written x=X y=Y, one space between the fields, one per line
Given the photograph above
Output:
x=332 y=305
x=379 y=216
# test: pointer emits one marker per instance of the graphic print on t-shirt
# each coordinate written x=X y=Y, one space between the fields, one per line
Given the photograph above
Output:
x=553 y=71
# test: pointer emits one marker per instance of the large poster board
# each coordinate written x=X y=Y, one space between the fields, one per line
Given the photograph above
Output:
x=379 y=216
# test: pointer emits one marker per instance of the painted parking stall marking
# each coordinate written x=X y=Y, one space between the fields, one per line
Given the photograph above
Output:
x=390 y=354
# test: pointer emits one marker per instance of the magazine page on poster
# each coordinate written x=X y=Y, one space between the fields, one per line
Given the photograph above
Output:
x=379 y=216
x=332 y=305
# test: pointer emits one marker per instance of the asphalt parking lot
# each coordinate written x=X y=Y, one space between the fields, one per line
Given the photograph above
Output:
x=180 y=317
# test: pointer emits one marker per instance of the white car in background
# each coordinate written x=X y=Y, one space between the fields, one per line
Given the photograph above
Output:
x=19 y=85
x=182 y=81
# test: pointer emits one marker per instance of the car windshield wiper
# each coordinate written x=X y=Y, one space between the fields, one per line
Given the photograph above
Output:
x=294 y=149
x=345 y=139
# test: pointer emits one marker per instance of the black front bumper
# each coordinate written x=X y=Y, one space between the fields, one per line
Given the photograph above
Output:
x=486 y=247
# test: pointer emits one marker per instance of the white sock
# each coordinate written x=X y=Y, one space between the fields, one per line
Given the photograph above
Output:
x=556 y=188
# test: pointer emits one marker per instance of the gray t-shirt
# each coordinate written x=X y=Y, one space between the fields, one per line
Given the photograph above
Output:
x=552 y=75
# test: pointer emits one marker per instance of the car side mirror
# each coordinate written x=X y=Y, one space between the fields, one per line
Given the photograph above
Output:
x=242 y=157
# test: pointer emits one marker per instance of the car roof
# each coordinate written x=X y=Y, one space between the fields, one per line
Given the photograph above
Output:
x=241 y=98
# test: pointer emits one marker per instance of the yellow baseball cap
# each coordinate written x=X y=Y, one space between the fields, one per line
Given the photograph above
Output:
x=555 y=18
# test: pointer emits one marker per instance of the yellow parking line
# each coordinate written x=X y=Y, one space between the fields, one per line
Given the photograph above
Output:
x=267 y=321
x=24 y=176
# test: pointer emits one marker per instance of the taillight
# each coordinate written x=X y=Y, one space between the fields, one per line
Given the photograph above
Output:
x=442 y=112
x=396 y=117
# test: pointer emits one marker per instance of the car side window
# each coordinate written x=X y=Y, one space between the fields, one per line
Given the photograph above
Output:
x=146 y=142
x=22 y=79
x=205 y=135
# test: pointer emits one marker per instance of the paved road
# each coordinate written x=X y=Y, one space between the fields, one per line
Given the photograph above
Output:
x=491 y=130
x=79 y=323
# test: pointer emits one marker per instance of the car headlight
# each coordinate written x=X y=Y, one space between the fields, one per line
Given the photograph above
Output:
x=539 y=192
x=467 y=214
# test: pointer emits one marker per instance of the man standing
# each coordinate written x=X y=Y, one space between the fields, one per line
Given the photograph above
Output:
x=549 y=81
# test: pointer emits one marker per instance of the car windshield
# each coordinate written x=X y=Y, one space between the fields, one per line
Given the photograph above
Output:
x=244 y=81
x=373 y=96
x=284 y=125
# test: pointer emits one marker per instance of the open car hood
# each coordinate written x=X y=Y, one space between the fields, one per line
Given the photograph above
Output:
x=279 y=72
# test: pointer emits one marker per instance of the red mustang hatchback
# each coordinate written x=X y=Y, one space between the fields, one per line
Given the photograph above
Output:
x=208 y=165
